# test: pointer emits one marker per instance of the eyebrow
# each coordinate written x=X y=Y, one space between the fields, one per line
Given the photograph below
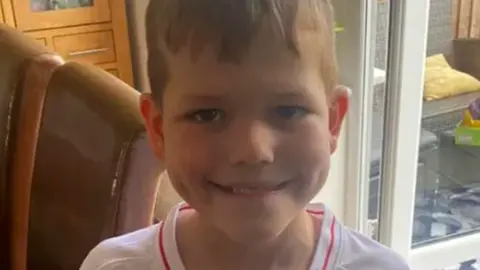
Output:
x=289 y=91
x=292 y=94
x=280 y=90
x=202 y=98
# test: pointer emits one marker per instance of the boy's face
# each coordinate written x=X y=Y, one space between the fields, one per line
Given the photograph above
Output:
x=247 y=145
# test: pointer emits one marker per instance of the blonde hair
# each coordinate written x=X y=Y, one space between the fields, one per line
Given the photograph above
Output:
x=230 y=25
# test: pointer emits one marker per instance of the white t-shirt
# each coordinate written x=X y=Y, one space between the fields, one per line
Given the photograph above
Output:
x=155 y=248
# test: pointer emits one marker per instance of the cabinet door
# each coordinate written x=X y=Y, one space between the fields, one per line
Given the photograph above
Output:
x=44 y=14
x=2 y=18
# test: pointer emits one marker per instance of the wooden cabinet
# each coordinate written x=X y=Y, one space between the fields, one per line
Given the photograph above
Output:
x=94 y=47
x=2 y=19
x=42 y=14
x=91 y=31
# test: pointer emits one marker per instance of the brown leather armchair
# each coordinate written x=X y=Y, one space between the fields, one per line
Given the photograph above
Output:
x=25 y=68
x=94 y=174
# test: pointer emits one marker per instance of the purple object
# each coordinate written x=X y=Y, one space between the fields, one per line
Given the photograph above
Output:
x=474 y=109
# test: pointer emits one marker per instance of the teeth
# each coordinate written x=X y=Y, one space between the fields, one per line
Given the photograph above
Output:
x=245 y=190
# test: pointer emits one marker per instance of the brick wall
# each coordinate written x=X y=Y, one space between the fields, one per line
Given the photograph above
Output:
x=439 y=41
x=439 y=30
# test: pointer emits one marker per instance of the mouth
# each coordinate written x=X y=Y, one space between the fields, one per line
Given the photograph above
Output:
x=249 y=190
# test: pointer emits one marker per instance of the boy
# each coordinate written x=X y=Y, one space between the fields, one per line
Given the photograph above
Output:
x=245 y=112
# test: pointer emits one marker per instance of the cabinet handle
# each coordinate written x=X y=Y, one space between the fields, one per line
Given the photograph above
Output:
x=85 y=52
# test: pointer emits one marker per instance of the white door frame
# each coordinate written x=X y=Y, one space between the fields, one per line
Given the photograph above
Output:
x=404 y=99
x=408 y=31
x=357 y=17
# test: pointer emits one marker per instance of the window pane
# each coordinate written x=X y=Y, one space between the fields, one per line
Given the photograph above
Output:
x=47 y=5
x=448 y=183
x=381 y=54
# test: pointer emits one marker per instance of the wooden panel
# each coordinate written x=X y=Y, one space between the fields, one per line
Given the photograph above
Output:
x=466 y=18
x=121 y=46
x=114 y=72
x=116 y=23
x=122 y=41
x=42 y=41
x=108 y=66
x=27 y=19
x=92 y=47
x=455 y=16
x=475 y=25
x=50 y=33
x=111 y=68
x=7 y=12
x=45 y=40
x=2 y=17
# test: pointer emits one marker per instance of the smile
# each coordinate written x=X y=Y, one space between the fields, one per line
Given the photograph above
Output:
x=243 y=190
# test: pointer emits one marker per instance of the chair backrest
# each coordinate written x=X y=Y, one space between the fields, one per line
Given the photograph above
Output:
x=25 y=68
x=94 y=175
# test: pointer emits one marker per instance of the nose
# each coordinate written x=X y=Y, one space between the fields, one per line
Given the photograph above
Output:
x=252 y=144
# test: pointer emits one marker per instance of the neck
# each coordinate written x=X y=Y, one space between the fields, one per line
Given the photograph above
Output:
x=293 y=248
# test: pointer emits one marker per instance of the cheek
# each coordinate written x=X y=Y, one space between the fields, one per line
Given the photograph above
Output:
x=189 y=160
x=317 y=149
x=309 y=150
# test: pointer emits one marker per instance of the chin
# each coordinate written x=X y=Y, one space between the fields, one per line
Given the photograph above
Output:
x=257 y=231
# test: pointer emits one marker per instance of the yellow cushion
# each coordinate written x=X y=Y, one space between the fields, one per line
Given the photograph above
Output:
x=437 y=60
x=442 y=81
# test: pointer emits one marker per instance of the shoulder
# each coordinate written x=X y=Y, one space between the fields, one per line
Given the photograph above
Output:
x=137 y=250
x=355 y=251
x=361 y=253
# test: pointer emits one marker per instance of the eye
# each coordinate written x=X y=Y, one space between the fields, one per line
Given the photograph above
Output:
x=206 y=116
x=291 y=112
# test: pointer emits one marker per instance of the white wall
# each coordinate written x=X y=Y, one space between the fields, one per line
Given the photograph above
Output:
x=333 y=192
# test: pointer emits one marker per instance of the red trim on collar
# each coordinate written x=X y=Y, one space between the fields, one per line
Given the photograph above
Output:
x=162 y=249
x=330 y=245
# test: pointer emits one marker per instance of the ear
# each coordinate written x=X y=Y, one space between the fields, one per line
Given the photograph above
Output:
x=339 y=102
x=153 y=123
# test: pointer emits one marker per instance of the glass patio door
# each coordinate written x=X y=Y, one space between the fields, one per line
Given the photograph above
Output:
x=409 y=184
